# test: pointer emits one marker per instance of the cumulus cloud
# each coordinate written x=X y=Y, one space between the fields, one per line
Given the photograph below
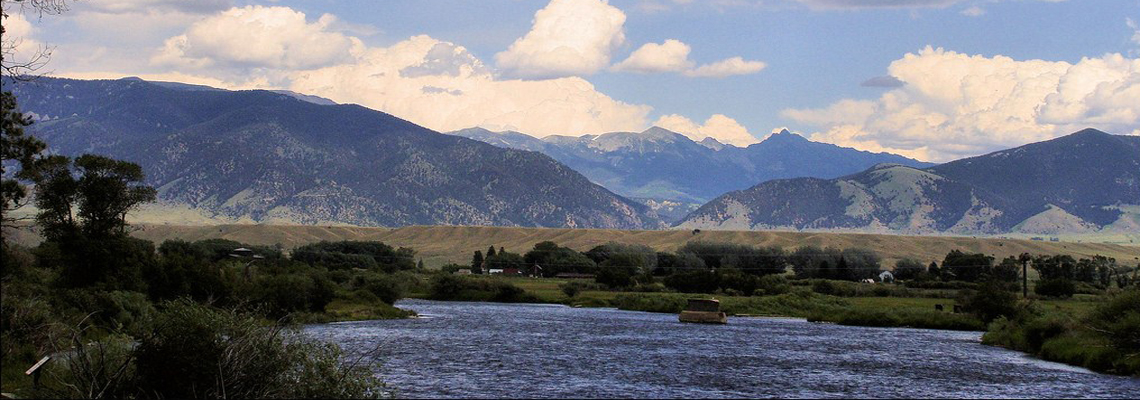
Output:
x=145 y=6
x=673 y=56
x=258 y=37
x=718 y=126
x=883 y=81
x=670 y=56
x=19 y=46
x=727 y=67
x=568 y=38
x=462 y=93
x=956 y=105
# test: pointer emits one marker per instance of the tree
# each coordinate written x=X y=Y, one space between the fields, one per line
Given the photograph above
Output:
x=15 y=148
x=491 y=251
x=108 y=190
x=477 y=262
x=933 y=270
x=96 y=204
x=969 y=267
x=908 y=269
x=1008 y=270
x=990 y=301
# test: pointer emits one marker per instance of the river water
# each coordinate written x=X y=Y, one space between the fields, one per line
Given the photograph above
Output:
x=513 y=350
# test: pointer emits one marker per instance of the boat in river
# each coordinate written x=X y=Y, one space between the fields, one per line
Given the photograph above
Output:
x=704 y=311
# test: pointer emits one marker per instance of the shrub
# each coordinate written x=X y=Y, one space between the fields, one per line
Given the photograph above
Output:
x=571 y=289
x=385 y=287
x=989 y=302
x=1119 y=319
x=1055 y=288
x=823 y=286
x=199 y=351
x=458 y=288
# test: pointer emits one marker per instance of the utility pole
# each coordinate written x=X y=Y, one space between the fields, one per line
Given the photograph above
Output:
x=1024 y=258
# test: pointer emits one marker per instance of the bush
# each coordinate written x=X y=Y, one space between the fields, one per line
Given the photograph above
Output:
x=1055 y=288
x=385 y=287
x=458 y=288
x=823 y=286
x=1039 y=330
x=571 y=289
x=989 y=302
x=197 y=351
x=1119 y=319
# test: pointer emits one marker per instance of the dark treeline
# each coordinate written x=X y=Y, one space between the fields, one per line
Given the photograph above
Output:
x=704 y=267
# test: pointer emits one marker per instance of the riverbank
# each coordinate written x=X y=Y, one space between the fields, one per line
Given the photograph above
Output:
x=498 y=350
x=1053 y=330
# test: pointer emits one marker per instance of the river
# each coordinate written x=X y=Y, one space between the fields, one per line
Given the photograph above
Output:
x=528 y=350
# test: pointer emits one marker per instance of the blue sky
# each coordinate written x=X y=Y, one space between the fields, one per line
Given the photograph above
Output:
x=1053 y=66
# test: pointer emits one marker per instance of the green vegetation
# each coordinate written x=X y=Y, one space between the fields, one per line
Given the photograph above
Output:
x=1105 y=339
x=748 y=282
x=122 y=318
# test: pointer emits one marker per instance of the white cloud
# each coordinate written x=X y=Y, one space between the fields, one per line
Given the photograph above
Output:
x=670 y=56
x=459 y=93
x=146 y=6
x=727 y=67
x=867 y=4
x=718 y=126
x=673 y=56
x=1135 y=30
x=258 y=37
x=568 y=37
x=19 y=46
x=955 y=105
x=974 y=11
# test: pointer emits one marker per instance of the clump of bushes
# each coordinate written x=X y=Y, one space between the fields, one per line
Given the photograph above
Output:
x=457 y=288
x=1106 y=340
x=1056 y=287
x=197 y=351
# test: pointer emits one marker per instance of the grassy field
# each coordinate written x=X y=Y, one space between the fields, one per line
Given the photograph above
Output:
x=440 y=245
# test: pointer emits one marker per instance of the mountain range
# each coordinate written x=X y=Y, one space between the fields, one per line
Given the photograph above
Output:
x=278 y=156
x=264 y=156
x=665 y=166
x=1084 y=182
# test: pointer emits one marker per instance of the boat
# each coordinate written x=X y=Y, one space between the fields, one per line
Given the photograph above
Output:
x=703 y=311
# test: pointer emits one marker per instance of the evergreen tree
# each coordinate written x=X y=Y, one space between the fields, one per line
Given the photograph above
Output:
x=16 y=148
x=491 y=252
x=477 y=262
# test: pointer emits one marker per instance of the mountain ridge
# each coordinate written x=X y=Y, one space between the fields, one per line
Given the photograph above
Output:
x=1086 y=181
x=268 y=156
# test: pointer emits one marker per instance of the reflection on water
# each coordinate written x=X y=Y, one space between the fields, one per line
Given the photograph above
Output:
x=502 y=350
